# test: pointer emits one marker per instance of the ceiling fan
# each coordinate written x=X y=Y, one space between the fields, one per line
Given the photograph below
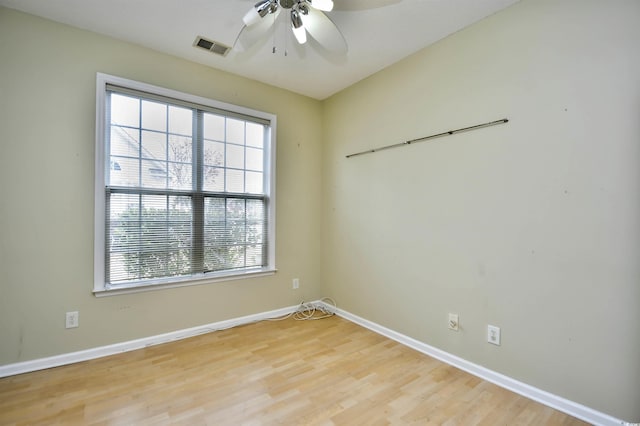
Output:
x=306 y=17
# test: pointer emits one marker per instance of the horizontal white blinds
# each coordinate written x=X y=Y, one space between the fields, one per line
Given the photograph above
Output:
x=156 y=236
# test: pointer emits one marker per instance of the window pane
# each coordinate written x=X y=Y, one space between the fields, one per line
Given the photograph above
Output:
x=254 y=183
x=234 y=180
x=213 y=153
x=254 y=159
x=154 y=174
x=254 y=255
x=215 y=258
x=180 y=209
x=216 y=237
x=180 y=149
x=237 y=256
x=255 y=232
x=215 y=209
x=154 y=116
x=234 y=233
x=124 y=141
x=125 y=111
x=124 y=172
x=236 y=208
x=213 y=127
x=235 y=157
x=235 y=131
x=213 y=179
x=255 y=135
x=255 y=210
x=119 y=203
x=180 y=120
x=180 y=176
x=154 y=145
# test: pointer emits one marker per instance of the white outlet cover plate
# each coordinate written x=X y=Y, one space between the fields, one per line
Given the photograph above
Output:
x=454 y=323
x=72 y=319
x=493 y=335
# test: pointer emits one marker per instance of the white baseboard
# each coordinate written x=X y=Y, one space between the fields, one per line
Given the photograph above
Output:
x=70 y=358
x=561 y=404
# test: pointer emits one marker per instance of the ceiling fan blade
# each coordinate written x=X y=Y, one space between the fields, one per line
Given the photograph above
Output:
x=324 y=31
x=251 y=35
x=354 y=5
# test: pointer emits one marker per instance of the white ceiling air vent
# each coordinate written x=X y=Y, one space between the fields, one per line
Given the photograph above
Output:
x=211 y=46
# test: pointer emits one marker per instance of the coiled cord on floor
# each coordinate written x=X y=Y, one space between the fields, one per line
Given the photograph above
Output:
x=311 y=311
x=324 y=308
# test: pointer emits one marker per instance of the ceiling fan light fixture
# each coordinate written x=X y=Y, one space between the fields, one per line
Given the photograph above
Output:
x=298 y=28
x=259 y=11
x=251 y=17
x=305 y=16
x=324 y=5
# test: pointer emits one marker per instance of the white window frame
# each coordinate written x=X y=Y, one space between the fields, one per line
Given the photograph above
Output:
x=100 y=288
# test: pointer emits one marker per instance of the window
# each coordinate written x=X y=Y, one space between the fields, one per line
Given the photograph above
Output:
x=184 y=188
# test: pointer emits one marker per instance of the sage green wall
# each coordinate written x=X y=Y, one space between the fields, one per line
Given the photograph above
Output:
x=47 y=121
x=533 y=226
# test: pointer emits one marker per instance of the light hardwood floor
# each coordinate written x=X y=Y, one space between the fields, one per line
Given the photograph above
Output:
x=326 y=372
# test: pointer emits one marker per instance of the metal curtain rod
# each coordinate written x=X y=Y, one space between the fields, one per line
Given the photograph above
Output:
x=438 y=135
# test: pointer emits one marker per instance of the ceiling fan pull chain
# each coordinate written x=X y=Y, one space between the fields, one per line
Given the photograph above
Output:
x=286 y=39
x=274 y=50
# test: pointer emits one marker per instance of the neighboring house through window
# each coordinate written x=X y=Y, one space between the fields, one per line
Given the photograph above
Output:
x=184 y=188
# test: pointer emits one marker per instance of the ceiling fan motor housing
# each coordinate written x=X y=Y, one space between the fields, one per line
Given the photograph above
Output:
x=287 y=4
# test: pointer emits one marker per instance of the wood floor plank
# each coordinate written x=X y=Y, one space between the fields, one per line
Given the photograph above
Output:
x=327 y=372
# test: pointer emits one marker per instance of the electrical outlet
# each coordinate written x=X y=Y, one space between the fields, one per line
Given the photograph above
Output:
x=72 y=320
x=296 y=283
x=493 y=335
x=454 y=324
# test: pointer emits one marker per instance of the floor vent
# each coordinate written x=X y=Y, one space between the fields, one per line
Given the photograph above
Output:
x=211 y=46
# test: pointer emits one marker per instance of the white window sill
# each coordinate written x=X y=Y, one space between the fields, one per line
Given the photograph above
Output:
x=151 y=286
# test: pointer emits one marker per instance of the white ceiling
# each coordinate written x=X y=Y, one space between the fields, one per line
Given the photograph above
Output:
x=378 y=33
